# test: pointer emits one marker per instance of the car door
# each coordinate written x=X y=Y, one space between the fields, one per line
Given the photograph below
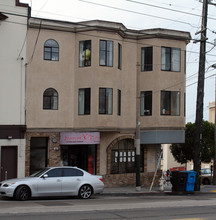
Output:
x=71 y=181
x=50 y=184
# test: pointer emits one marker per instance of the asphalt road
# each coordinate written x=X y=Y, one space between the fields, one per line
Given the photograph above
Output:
x=194 y=207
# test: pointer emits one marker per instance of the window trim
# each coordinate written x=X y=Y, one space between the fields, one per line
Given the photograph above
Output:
x=171 y=65
x=51 y=50
x=106 y=103
x=51 y=103
x=169 y=112
x=143 y=94
x=86 y=112
x=145 y=66
x=106 y=52
x=80 y=61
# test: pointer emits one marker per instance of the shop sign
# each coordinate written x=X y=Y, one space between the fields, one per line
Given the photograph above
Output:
x=70 y=138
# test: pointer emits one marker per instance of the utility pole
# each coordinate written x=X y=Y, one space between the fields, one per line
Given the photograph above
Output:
x=200 y=94
x=214 y=170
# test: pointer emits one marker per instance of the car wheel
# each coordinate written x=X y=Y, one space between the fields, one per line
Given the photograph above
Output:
x=206 y=182
x=22 y=193
x=85 y=192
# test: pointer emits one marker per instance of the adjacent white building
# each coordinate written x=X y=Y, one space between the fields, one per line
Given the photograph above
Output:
x=13 y=31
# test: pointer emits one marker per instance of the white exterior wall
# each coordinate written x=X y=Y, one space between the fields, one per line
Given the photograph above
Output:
x=12 y=74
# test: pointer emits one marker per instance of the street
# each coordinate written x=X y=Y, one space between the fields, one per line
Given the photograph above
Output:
x=194 y=207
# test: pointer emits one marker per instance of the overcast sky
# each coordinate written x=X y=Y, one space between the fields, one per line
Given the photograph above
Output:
x=184 y=15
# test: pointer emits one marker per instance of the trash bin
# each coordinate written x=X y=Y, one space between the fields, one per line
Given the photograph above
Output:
x=178 y=180
x=191 y=179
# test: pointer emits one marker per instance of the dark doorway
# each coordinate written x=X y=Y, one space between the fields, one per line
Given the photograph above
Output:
x=8 y=162
x=38 y=154
x=82 y=156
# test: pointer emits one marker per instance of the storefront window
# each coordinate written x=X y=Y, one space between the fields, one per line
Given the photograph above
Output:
x=38 y=154
x=123 y=157
x=82 y=156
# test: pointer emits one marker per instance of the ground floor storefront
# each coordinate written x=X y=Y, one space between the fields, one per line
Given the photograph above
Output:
x=110 y=154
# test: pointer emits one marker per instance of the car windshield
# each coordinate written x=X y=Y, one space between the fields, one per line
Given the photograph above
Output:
x=38 y=173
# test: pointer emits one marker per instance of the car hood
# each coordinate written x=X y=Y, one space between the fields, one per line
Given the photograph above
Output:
x=18 y=180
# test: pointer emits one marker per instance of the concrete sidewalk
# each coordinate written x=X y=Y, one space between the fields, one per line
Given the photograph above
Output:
x=126 y=191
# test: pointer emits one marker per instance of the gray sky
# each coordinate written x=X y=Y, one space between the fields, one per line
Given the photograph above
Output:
x=184 y=15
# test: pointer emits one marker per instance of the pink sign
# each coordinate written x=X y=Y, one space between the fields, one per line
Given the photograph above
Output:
x=70 y=138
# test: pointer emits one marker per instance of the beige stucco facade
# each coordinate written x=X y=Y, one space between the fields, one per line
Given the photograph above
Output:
x=66 y=77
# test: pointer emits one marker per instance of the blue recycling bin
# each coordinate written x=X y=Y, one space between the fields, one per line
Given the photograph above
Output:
x=191 y=179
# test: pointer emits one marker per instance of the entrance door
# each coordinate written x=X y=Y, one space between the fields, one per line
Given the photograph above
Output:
x=82 y=156
x=8 y=162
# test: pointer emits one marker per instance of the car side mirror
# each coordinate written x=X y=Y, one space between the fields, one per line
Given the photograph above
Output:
x=44 y=176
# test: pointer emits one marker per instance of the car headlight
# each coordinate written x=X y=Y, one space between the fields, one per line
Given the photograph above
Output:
x=8 y=184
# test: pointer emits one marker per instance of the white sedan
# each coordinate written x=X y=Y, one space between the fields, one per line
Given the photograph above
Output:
x=53 y=181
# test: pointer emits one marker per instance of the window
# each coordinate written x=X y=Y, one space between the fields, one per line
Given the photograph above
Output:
x=85 y=53
x=119 y=102
x=146 y=103
x=68 y=172
x=84 y=101
x=146 y=59
x=119 y=56
x=123 y=157
x=171 y=59
x=105 y=101
x=170 y=103
x=55 y=172
x=106 y=53
x=51 y=50
x=50 y=99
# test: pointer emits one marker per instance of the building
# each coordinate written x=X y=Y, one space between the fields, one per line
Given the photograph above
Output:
x=13 y=30
x=168 y=162
x=84 y=81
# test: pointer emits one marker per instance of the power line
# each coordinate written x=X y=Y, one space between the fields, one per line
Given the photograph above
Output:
x=169 y=9
x=134 y=12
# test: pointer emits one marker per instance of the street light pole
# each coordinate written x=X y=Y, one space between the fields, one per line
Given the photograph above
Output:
x=137 y=142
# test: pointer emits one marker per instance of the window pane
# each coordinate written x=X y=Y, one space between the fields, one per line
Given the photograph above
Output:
x=51 y=50
x=105 y=101
x=50 y=99
x=146 y=59
x=55 y=172
x=85 y=53
x=102 y=53
x=109 y=101
x=109 y=53
x=87 y=101
x=166 y=58
x=102 y=101
x=46 y=102
x=81 y=101
x=146 y=103
x=69 y=172
x=175 y=103
x=176 y=59
x=165 y=103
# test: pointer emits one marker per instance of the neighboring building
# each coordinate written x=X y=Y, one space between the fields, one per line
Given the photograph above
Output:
x=83 y=81
x=212 y=112
x=168 y=161
x=13 y=30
